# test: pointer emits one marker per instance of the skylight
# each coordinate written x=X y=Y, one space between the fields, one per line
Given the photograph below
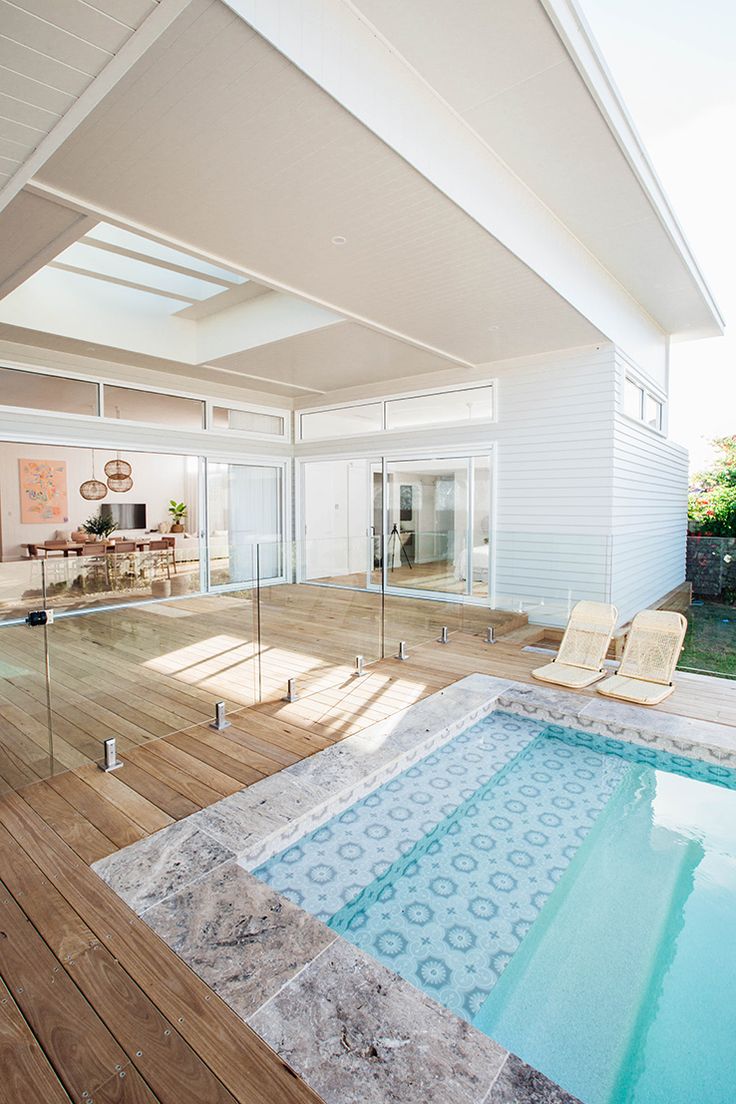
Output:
x=111 y=255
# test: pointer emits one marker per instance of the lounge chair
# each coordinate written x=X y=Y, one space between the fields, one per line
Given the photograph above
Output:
x=579 y=660
x=648 y=664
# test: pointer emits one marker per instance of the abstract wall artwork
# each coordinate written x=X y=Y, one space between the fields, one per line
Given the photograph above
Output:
x=43 y=494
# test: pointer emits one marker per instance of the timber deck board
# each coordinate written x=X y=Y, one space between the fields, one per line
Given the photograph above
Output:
x=74 y=948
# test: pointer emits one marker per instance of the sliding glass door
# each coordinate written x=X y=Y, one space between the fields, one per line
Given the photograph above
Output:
x=427 y=521
x=245 y=510
x=436 y=523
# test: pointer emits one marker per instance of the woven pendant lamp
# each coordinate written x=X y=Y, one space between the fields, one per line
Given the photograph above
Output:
x=119 y=483
x=92 y=489
x=118 y=469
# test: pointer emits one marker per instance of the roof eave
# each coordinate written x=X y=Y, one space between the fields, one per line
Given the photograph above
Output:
x=578 y=39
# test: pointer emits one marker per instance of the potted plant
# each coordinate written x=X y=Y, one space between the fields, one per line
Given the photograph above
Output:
x=178 y=511
x=99 y=526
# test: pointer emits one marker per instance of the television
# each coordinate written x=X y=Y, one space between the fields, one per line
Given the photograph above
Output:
x=126 y=515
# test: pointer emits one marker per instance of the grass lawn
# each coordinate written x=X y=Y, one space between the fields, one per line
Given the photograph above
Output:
x=710 y=644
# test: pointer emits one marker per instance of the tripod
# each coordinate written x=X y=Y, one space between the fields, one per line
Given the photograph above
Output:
x=395 y=536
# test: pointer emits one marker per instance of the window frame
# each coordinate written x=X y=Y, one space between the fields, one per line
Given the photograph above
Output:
x=649 y=392
x=383 y=400
x=208 y=403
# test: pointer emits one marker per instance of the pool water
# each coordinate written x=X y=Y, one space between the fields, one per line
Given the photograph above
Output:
x=572 y=896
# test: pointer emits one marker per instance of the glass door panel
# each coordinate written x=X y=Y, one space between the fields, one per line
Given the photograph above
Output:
x=426 y=524
x=245 y=509
x=479 y=568
x=339 y=544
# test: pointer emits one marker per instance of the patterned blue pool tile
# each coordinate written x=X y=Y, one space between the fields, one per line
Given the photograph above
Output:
x=441 y=872
x=330 y=866
x=450 y=920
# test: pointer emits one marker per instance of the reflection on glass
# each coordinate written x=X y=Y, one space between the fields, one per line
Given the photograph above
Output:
x=247 y=421
x=132 y=405
x=337 y=545
x=653 y=412
x=469 y=405
x=244 y=511
x=427 y=524
x=36 y=391
x=633 y=399
x=347 y=421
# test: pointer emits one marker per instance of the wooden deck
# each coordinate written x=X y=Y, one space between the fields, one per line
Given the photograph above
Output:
x=146 y=671
x=92 y=1001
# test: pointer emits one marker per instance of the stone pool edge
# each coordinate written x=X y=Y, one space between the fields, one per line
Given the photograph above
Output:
x=191 y=883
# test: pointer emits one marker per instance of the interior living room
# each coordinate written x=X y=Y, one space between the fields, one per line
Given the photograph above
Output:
x=334 y=380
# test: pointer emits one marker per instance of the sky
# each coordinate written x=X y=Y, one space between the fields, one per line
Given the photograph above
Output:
x=674 y=62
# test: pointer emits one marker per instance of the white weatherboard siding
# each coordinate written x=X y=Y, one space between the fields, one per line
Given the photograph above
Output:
x=553 y=512
x=553 y=441
x=650 y=479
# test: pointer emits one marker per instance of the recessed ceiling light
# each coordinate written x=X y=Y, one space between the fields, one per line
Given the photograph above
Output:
x=338 y=240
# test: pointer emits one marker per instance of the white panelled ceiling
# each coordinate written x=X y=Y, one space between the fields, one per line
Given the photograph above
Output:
x=216 y=190
x=50 y=52
x=505 y=70
x=221 y=142
x=333 y=357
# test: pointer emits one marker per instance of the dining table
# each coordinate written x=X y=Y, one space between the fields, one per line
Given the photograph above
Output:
x=45 y=549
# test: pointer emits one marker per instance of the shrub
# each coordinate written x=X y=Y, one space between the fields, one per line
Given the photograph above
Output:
x=712 y=500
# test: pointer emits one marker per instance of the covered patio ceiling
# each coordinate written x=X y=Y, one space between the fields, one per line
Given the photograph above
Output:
x=223 y=209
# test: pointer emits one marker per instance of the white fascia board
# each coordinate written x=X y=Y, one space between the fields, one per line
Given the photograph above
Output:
x=270 y=317
x=338 y=49
x=575 y=32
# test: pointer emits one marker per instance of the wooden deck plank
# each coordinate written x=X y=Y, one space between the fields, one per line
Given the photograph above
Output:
x=105 y=817
x=167 y=798
x=152 y=1044
x=27 y=1073
x=84 y=1055
x=148 y=817
x=83 y=837
x=240 y=1060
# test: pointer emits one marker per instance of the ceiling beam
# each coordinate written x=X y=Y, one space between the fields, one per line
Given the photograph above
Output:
x=159 y=262
x=105 y=215
x=162 y=16
x=79 y=271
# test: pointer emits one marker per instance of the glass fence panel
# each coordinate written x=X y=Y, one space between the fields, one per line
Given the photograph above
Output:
x=329 y=613
x=122 y=572
x=152 y=669
x=542 y=575
x=26 y=738
x=710 y=643
x=22 y=588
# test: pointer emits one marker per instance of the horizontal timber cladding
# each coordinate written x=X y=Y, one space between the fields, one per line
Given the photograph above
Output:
x=649 y=523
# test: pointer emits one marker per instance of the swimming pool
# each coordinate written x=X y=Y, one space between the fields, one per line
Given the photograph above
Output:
x=572 y=896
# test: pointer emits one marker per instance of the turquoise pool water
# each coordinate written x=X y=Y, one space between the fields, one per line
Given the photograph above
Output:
x=573 y=897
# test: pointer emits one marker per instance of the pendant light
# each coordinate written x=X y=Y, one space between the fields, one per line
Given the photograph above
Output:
x=119 y=483
x=93 y=489
x=118 y=471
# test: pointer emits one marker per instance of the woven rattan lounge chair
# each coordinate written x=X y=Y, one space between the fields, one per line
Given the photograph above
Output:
x=652 y=649
x=579 y=660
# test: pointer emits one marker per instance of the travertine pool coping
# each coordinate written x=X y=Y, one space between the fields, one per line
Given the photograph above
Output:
x=352 y=1029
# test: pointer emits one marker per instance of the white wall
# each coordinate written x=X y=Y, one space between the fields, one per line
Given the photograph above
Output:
x=554 y=456
x=156 y=479
x=650 y=479
x=553 y=501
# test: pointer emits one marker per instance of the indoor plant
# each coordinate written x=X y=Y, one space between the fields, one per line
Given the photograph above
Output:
x=178 y=511
x=99 y=526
